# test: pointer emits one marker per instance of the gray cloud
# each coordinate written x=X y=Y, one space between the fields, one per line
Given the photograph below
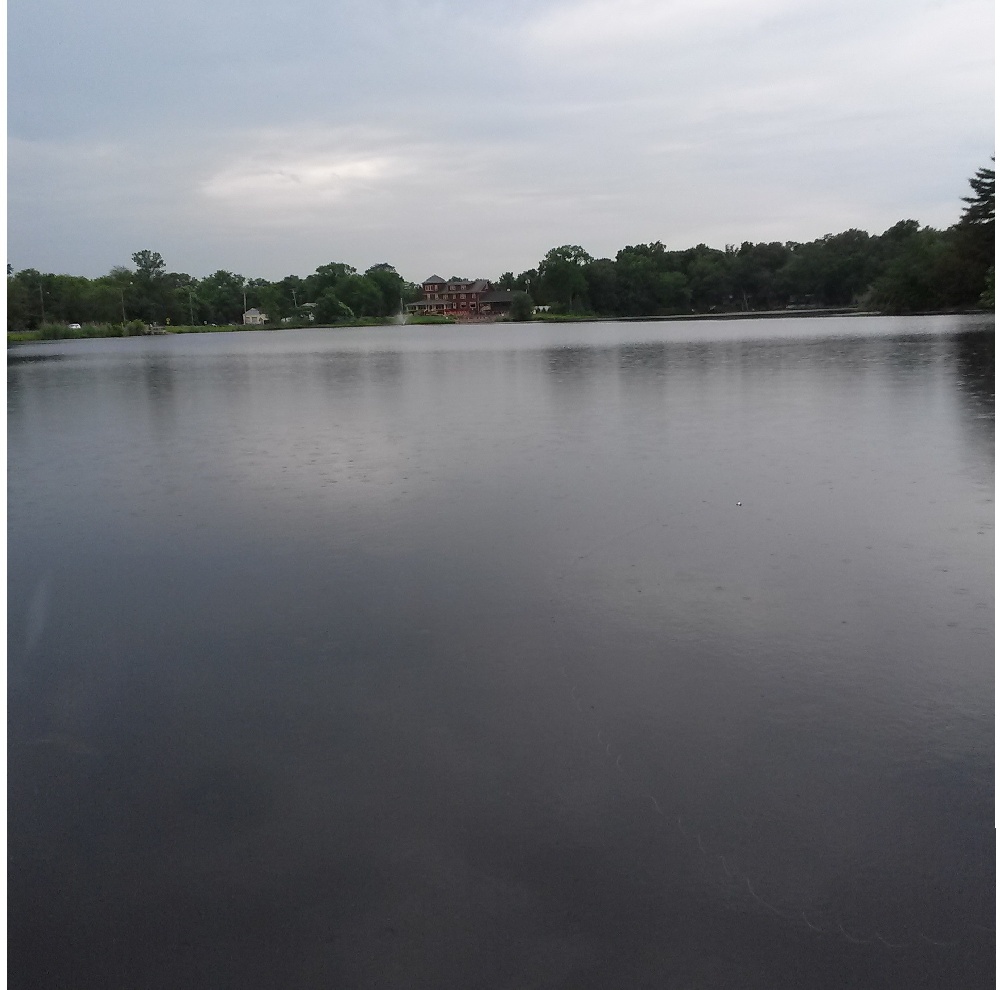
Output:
x=472 y=137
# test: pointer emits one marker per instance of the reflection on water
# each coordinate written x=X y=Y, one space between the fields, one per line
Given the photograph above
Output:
x=607 y=654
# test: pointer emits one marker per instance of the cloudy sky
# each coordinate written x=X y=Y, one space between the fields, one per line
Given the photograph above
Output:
x=470 y=136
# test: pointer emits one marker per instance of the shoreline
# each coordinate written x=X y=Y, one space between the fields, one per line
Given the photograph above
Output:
x=35 y=336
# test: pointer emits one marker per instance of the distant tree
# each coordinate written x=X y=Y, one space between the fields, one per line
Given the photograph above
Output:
x=561 y=277
x=148 y=263
x=916 y=278
x=982 y=205
x=23 y=303
x=330 y=309
x=390 y=285
x=572 y=253
x=637 y=276
x=901 y=232
x=153 y=298
x=361 y=294
x=527 y=282
x=522 y=308
x=645 y=283
x=673 y=294
x=710 y=278
x=834 y=270
x=109 y=293
x=287 y=295
x=988 y=300
x=602 y=286
x=222 y=296
x=270 y=300
x=757 y=282
x=973 y=238
x=327 y=277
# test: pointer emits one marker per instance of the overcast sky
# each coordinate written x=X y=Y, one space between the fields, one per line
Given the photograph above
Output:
x=470 y=137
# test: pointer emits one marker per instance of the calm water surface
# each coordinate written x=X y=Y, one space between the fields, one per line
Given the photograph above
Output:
x=448 y=657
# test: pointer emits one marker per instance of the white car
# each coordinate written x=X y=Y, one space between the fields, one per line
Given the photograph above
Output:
x=75 y=326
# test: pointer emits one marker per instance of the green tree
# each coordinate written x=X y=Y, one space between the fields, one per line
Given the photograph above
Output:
x=834 y=270
x=221 y=294
x=561 y=277
x=152 y=295
x=988 y=300
x=284 y=298
x=646 y=283
x=149 y=263
x=325 y=277
x=23 y=302
x=974 y=236
x=330 y=309
x=603 y=289
x=756 y=280
x=527 y=282
x=390 y=285
x=673 y=295
x=522 y=308
x=982 y=204
x=361 y=294
x=912 y=280
x=710 y=277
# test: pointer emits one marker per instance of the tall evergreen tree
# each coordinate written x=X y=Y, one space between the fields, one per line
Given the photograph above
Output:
x=982 y=206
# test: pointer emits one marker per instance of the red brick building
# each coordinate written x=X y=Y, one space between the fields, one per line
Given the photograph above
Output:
x=460 y=298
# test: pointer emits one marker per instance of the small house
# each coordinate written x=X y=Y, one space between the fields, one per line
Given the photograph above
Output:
x=254 y=318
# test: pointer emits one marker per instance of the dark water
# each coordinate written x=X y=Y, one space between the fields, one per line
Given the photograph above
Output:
x=442 y=657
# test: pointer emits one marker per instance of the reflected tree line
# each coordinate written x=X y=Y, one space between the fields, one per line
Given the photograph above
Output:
x=907 y=268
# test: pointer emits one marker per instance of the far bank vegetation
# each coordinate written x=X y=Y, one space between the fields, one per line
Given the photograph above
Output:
x=906 y=269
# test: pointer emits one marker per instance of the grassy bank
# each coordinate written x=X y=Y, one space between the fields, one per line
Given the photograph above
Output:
x=60 y=331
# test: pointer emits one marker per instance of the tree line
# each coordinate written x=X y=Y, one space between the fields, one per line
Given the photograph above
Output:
x=908 y=268
x=152 y=295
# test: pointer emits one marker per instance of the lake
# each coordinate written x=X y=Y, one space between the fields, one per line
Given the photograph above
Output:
x=582 y=655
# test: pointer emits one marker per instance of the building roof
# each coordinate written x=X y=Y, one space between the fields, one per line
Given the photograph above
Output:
x=433 y=278
x=462 y=284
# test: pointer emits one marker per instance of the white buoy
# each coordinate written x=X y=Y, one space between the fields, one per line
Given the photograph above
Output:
x=739 y=503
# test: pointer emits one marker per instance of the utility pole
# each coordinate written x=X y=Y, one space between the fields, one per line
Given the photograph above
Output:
x=122 y=291
x=41 y=299
x=190 y=306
